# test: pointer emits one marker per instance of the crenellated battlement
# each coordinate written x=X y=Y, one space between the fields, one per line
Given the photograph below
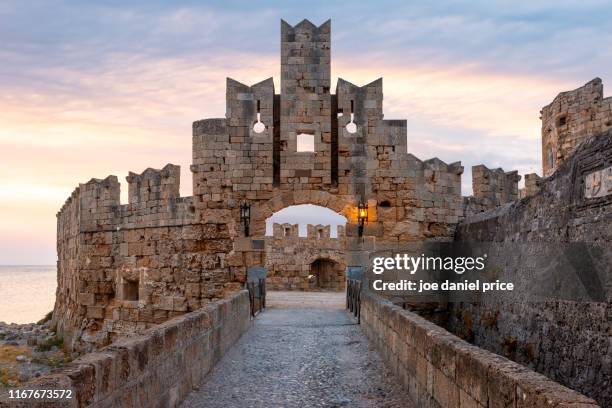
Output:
x=495 y=186
x=491 y=188
x=153 y=184
x=533 y=183
x=313 y=232
x=318 y=231
x=285 y=230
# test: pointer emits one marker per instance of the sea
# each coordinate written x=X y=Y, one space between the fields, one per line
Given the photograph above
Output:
x=27 y=292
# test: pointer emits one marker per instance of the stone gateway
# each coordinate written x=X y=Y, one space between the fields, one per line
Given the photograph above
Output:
x=124 y=268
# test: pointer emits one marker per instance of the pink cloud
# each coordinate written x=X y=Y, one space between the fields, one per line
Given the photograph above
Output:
x=135 y=112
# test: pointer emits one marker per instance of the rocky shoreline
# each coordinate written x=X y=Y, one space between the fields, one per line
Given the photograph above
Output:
x=28 y=351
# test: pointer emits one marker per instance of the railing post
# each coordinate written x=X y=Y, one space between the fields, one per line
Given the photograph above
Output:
x=257 y=295
x=263 y=285
x=353 y=298
x=359 y=303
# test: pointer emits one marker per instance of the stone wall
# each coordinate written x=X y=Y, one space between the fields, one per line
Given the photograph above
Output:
x=571 y=118
x=156 y=369
x=491 y=189
x=125 y=267
x=314 y=262
x=532 y=185
x=440 y=370
x=560 y=236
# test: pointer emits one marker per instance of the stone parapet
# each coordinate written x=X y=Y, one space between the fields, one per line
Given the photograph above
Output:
x=440 y=370
x=156 y=369
x=561 y=233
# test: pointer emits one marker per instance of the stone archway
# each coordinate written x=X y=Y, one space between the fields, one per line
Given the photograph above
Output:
x=327 y=275
x=345 y=205
x=289 y=257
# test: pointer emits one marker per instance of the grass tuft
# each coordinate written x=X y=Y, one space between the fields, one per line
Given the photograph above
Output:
x=50 y=343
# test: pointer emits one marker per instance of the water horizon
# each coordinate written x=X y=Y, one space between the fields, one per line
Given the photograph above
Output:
x=27 y=292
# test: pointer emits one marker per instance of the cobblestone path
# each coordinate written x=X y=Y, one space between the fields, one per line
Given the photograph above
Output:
x=303 y=351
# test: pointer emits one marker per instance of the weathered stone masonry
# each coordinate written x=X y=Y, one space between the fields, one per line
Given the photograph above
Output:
x=125 y=267
x=438 y=369
x=568 y=234
x=314 y=262
x=155 y=369
x=571 y=118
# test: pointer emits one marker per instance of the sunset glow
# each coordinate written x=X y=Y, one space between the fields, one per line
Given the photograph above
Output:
x=115 y=99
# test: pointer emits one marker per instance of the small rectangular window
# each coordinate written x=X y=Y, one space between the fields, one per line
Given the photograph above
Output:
x=305 y=142
x=562 y=120
x=130 y=290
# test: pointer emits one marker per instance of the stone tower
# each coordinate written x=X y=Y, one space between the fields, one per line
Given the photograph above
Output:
x=571 y=118
x=305 y=103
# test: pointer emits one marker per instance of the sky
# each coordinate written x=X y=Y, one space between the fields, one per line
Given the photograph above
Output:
x=91 y=88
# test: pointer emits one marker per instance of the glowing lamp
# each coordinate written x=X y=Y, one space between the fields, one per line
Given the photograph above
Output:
x=362 y=216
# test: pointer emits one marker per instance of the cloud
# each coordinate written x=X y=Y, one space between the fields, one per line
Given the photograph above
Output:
x=108 y=88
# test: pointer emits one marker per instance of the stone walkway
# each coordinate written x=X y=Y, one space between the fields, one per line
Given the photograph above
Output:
x=303 y=351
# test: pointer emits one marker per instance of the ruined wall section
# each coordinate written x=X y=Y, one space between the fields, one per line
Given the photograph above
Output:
x=570 y=119
x=491 y=188
x=290 y=258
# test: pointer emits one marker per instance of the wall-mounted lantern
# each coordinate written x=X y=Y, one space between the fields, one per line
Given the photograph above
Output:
x=245 y=216
x=362 y=216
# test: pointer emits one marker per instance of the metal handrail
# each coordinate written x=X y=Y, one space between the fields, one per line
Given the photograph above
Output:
x=353 y=297
x=257 y=296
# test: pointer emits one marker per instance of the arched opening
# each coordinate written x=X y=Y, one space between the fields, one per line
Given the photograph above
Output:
x=326 y=274
x=305 y=248
x=304 y=215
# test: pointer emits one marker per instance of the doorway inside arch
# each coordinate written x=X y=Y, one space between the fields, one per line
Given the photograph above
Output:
x=326 y=274
x=305 y=249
